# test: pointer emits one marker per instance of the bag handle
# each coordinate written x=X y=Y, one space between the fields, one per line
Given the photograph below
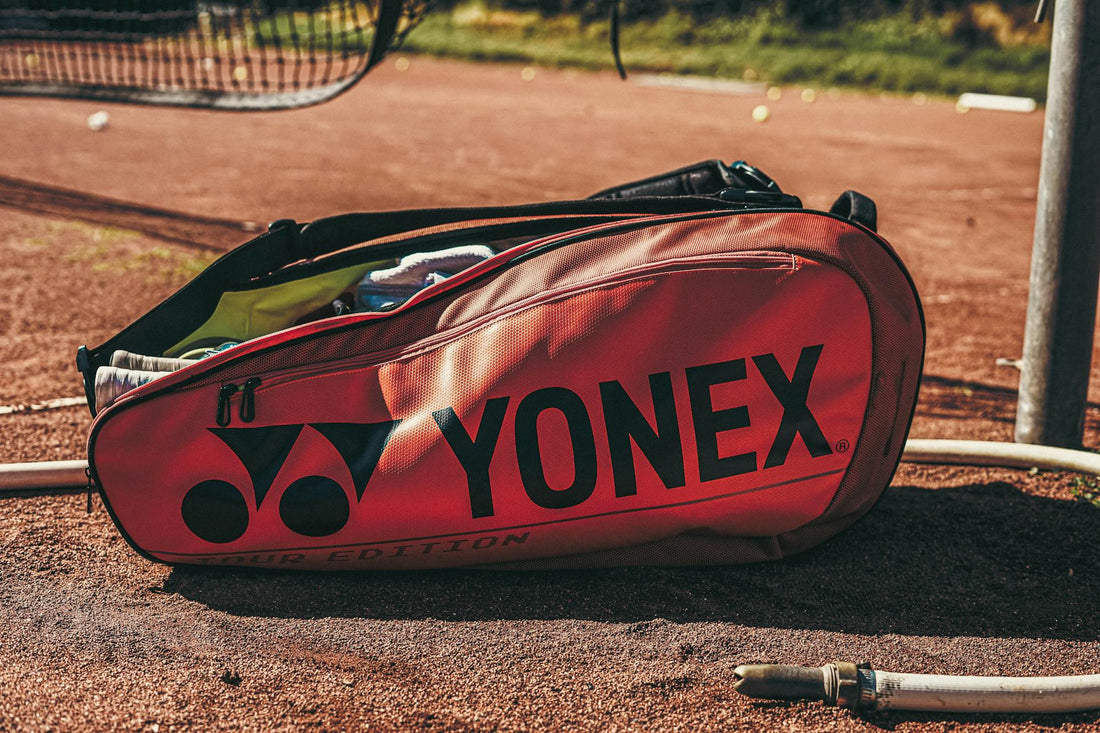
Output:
x=854 y=206
x=707 y=178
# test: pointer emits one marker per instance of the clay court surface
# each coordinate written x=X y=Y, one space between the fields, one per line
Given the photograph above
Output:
x=957 y=570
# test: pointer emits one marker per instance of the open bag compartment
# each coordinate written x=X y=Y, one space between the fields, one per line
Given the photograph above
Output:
x=280 y=278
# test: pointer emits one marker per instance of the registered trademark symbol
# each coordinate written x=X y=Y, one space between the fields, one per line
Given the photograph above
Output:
x=842 y=446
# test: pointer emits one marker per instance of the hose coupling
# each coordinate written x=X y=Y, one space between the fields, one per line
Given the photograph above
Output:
x=843 y=684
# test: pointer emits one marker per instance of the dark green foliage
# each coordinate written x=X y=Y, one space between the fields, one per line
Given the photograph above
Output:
x=806 y=14
x=907 y=51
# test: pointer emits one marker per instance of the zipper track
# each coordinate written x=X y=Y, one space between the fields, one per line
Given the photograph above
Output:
x=734 y=260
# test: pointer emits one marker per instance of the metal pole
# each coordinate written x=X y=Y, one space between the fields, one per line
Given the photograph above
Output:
x=1065 y=264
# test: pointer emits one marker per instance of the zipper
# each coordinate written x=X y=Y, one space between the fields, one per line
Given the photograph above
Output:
x=90 y=486
x=363 y=252
x=247 y=410
x=741 y=260
x=225 y=417
x=767 y=194
x=248 y=399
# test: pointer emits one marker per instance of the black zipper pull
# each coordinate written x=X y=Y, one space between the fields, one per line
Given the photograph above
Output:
x=224 y=415
x=248 y=399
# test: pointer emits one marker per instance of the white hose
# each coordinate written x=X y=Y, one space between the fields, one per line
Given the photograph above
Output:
x=43 y=475
x=69 y=474
x=899 y=691
x=848 y=685
x=943 y=693
x=1009 y=455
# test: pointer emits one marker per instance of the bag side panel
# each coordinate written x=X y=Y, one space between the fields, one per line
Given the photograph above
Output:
x=373 y=466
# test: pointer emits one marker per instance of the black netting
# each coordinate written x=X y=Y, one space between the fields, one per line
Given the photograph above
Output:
x=245 y=54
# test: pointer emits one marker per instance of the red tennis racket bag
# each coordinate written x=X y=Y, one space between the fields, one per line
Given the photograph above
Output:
x=685 y=370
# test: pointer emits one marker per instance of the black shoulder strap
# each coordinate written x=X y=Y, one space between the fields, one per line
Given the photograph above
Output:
x=737 y=182
x=706 y=178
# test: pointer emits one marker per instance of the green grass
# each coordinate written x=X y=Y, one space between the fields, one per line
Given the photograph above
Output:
x=895 y=54
x=1086 y=490
x=108 y=249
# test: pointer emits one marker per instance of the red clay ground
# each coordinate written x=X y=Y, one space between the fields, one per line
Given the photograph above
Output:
x=956 y=570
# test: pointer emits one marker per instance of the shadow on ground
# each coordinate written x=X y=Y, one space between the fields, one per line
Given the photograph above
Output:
x=979 y=560
x=946 y=398
x=947 y=721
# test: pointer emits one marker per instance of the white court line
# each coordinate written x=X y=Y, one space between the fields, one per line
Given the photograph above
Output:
x=699 y=84
x=998 y=102
x=43 y=406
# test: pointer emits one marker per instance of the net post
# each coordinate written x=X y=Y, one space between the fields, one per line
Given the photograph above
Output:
x=1065 y=265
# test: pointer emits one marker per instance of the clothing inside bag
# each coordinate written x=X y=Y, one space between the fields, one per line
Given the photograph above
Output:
x=382 y=289
x=246 y=314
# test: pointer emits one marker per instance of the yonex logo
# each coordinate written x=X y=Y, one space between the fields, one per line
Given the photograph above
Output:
x=314 y=506
x=317 y=506
x=661 y=445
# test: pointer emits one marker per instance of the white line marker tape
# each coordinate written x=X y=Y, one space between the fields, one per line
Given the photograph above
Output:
x=998 y=102
x=699 y=84
x=43 y=406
